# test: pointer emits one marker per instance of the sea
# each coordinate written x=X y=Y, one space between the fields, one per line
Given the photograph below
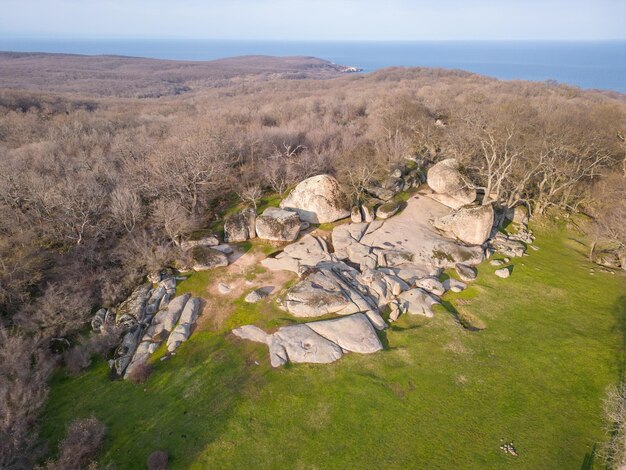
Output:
x=586 y=64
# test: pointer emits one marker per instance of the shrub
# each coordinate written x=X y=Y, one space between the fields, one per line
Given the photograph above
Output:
x=140 y=373
x=77 y=359
x=78 y=450
x=158 y=460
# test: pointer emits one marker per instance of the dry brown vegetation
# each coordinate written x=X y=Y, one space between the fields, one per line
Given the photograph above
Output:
x=97 y=186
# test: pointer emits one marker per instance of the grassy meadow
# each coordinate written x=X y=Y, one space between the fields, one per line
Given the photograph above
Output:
x=439 y=396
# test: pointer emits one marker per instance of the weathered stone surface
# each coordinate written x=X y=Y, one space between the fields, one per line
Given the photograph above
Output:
x=387 y=210
x=255 y=296
x=278 y=225
x=302 y=344
x=496 y=262
x=431 y=285
x=226 y=249
x=503 y=272
x=204 y=258
x=352 y=333
x=453 y=285
x=507 y=247
x=179 y=335
x=200 y=238
x=470 y=224
x=465 y=272
x=318 y=200
x=309 y=250
x=445 y=178
x=240 y=227
x=355 y=215
x=251 y=333
x=190 y=311
x=165 y=320
x=368 y=212
x=418 y=302
x=379 y=192
x=98 y=320
x=132 y=310
x=315 y=296
x=520 y=214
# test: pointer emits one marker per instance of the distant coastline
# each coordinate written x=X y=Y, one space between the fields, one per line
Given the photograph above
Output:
x=586 y=64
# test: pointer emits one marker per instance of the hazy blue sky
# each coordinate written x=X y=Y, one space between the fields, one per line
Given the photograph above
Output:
x=319 y=19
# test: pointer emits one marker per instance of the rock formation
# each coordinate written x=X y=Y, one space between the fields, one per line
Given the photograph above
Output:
x=450 y=186
x=318 y=200
x=278 y=225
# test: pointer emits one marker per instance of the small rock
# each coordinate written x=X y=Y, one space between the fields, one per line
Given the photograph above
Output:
x=255 y=296
x=496 y=262
x=465 y=272
x=503 y=273
x=355 y=215
x=223 y=288
x=387 y=210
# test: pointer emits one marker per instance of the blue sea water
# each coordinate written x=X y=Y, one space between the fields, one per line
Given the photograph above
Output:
x=587 y=64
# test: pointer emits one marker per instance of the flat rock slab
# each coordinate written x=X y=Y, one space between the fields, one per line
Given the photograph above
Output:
x=418 y=302
x=302 y=344
x=411 y=232
x=503 y=272
x=251 y=333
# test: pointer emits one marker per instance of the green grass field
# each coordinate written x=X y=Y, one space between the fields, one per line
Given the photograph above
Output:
x=439 y=396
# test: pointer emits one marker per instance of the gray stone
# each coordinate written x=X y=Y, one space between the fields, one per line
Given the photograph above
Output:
x=240 y=227
x=353 y=333
x=179 y=335
x=205 y=258
x=355 y=215
x=98 y=320
x=132 y=310
x=453 y=285
x=226 y=249
x=303 y=345
x=368 y=213
x=470 y=224
x=318 y=200
x=223 y=288
x=507 y=247
x=255 y=296
x=251 y=333
x=278 y=225
x=496 y=262
x=417 y=302
x=465 y=272
x=191 y=311
x=388 y=210
x=200 y=238
x=503 y=272
x=445 y=178
x=431 y=285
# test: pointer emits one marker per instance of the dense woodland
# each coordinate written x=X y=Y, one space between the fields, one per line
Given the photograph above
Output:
x=97 y=190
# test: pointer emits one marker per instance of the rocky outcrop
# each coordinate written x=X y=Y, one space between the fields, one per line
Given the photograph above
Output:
x=241 y=226
x=449 y=184
x=387 y=210
x=507 y=246
x=204 y=258
x=418 y=302
x=465 y=272
x=182 y=331
x=319 y=342
x=278 y=225
x=200 y=238
x=470 y=224
x=132 y=310
x=318 y=200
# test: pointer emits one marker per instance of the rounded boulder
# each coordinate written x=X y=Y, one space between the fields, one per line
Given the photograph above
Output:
x=318 y=200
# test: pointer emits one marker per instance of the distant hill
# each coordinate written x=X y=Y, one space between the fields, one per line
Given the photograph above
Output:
x=143 y=78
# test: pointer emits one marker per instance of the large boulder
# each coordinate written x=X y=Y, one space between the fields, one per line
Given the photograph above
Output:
x=240 y=227
x=202 y=237
x=204 y=258
x=446 y=179
x=470 y=224
x=353 y=333
x=132 y=310
x=417 y=302
x=302 y=344
x=318 y=200
x=278 y=225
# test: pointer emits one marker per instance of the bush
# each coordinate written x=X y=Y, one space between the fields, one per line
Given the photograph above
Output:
x=158 y=460
x=140 y=373
x=77 y=451
x=77 y=359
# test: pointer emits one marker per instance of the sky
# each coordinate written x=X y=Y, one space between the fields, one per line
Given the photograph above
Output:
x=317 y=19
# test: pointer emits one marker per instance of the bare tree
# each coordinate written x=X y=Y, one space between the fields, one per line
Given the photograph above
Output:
x=24 y=371
x=126 y=208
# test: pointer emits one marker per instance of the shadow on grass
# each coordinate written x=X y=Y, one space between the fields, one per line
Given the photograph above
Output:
x=466 y=320
x=588 y=460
